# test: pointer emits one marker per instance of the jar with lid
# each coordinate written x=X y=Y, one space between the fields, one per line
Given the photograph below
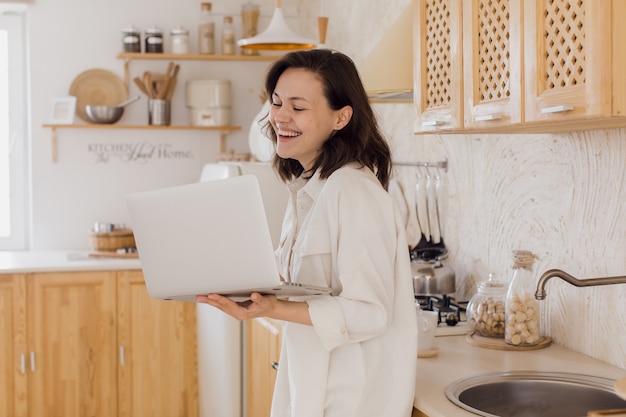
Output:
x=522 y=309
x=485 y=310
x=179 y=37
x=206 y=30
x=131 y=39
x=228 y=36
x=153 y=38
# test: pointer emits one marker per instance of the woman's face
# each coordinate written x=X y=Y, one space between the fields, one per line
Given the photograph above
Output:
x=301 y=116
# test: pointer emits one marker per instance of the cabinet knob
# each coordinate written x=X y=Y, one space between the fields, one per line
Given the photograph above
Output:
x=274 y=365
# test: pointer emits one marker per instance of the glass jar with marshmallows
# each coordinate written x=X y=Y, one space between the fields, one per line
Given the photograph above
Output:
x=486 y=309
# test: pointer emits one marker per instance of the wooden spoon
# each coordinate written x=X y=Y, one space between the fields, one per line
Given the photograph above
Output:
x=172 y=83
x=147 y=81
x=142 y=87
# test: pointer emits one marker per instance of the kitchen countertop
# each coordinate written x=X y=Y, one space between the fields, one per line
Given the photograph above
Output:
x=21 y=262
x=457 y=359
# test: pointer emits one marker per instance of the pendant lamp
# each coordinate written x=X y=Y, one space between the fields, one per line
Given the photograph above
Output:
x=277 y=37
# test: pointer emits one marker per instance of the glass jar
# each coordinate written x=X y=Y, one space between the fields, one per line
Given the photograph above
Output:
x=228 y=36
x=131 y=39
x=522 y=309
x=250 y=13
x=485 y=310
x=179 y=37
x=153 y=38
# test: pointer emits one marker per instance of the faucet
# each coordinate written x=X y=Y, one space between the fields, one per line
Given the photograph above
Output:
x=541 y=285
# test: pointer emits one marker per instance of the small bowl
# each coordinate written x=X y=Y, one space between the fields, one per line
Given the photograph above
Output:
x=104 y=114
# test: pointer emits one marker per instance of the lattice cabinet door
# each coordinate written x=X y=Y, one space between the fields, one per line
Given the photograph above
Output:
x=567 y=66
x=492 y=62
x=438 y=68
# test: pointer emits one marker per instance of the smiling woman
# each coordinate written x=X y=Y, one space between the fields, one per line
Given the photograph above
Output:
x=13 y=207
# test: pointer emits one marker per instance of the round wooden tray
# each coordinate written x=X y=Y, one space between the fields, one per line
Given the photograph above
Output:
x=97 y=87
x=498 y=343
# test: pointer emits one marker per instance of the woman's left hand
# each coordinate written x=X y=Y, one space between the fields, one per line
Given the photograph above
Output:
x=258 y=305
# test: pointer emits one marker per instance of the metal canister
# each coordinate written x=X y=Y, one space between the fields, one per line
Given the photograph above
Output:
x=180 y=40
x=131 y=39
x=153 y=40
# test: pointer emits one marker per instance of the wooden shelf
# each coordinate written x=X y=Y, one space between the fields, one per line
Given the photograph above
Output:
x=116 y=126
x=223 y=130
x=196 y=57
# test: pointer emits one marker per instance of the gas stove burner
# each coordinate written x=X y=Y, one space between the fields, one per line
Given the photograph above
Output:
x=450 y=311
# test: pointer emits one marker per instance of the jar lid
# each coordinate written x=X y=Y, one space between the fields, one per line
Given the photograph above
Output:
x=131 y=29
x=179 y=30
x=491 y=284
x=250 y=6
x=154 y=30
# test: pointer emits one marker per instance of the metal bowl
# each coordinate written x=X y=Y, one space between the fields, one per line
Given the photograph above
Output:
x=104 y=114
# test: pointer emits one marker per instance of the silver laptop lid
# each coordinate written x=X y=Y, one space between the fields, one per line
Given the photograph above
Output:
x=207 y=237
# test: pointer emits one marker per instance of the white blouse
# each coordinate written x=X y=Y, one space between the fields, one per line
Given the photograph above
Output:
x=359 y=357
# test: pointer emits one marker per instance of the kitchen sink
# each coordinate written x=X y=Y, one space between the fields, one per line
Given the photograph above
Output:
x=533 y=394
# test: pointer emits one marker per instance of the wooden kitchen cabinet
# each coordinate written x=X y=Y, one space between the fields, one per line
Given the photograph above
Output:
x=158 y=370
x=263 y=339
x=525 y=66
x=13 y=346
x=568 y=55
x=93 y=343
x=72 y=345
x=492 y=56
x=438 y=71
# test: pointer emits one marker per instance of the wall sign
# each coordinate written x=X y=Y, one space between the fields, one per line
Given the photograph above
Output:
x=141 y=153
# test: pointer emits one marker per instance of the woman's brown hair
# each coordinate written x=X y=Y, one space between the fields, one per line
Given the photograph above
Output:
x=360 y=140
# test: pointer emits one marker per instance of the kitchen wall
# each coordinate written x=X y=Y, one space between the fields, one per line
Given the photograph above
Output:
x=557 y=195
x=97 y=168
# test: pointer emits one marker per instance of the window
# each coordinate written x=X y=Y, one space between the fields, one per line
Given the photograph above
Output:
x=13 y=129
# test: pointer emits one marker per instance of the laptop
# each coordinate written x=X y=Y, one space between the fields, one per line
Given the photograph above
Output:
x=208 y=237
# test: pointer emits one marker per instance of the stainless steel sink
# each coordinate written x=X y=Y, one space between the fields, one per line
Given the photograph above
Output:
x=533 y=394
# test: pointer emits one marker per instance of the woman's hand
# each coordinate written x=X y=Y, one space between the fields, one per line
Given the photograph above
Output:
x=258 y=305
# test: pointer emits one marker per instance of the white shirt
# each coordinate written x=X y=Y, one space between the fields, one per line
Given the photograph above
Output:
x=359 y=357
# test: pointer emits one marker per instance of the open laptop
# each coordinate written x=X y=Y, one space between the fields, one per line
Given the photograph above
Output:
x=208 y=237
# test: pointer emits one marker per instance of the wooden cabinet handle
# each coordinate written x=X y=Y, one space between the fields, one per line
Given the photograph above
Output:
x=487 y=117
x=121 y=355
x=556 y=109
x=431 y=123
x=23 y=362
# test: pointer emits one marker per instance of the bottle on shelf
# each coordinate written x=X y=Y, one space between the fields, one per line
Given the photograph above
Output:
x=250 y=13
x=206 y=30
x=228 y=36
x=154 y=40
x=522 y=309
x=131 y=39
x=180 y=40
